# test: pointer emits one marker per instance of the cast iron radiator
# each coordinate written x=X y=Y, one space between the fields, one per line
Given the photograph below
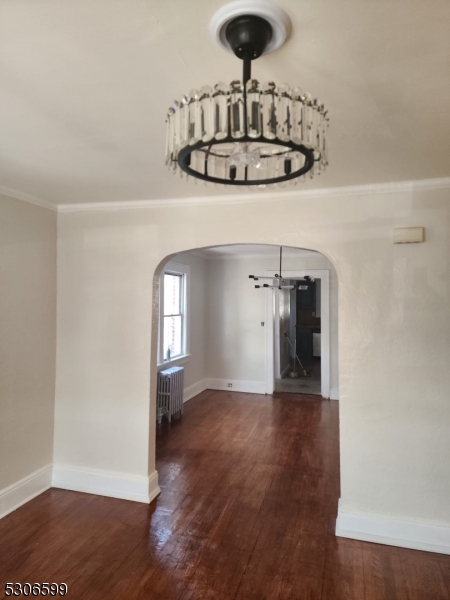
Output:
x=170 y=393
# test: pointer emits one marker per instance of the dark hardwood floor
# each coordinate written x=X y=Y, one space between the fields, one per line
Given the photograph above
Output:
x=250 y=486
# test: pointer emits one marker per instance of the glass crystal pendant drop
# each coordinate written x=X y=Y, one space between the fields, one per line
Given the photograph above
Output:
x=247 y=133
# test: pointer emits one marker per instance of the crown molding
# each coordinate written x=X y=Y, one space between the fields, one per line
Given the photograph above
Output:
x=27 y=198
x=262 y=196
x=240 y=198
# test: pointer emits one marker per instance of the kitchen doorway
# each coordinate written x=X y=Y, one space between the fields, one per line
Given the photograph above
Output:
x=308 y=322
x=300 y=344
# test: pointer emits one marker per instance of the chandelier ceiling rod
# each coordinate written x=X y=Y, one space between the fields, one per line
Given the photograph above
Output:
x=247 y=68
x=248 y=37
x=281 y=254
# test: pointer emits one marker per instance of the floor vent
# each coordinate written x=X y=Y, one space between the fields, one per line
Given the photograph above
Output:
x=170 y=393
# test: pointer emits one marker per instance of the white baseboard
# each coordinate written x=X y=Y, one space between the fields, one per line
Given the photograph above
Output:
x=334 y=393
x=106 y=483
x=393 y=532
x=194 y=389
x=25 y=490
x=248 y=387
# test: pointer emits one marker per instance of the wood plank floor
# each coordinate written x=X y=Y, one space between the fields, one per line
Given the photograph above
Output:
x=250 y=486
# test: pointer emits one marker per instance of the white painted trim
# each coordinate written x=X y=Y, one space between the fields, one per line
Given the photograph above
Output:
x=276 y=335
x=381 y=529
x=248 y=387
x=238 y=198
x=334 y=393
x=325 y=355
x=261 y=196
x=173 y=362
x=24 y=490
x=106 y=483
x=270 y=341
x=194 y=389
x=16 y=195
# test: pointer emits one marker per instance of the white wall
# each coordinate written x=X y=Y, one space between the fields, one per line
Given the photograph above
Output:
x=102 y=414
x=235 y=310
x=27 y=349
x=394 y=343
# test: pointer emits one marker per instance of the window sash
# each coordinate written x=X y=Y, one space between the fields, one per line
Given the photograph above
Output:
x=179 y=293
x=173 y=336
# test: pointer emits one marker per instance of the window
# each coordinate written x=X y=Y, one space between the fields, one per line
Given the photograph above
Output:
x=173 y=327
x=173 y=316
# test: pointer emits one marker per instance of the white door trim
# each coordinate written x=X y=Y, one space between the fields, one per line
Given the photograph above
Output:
x=271 y=336
x=276 y=334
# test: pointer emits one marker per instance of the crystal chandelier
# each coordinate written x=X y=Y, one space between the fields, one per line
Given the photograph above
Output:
x=278 y=282
x=247 y=133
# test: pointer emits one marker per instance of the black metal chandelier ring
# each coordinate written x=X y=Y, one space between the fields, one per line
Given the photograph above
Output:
x=230 y=178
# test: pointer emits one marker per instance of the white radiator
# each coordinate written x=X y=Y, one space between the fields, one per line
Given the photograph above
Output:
x=170 y=393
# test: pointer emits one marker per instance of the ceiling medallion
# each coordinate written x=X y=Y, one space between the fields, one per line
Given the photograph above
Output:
x=247 y=133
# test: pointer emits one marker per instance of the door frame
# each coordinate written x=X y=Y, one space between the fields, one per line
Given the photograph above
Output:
x=273 y=334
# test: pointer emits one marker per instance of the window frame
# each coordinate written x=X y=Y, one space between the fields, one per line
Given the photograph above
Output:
x=182 y=271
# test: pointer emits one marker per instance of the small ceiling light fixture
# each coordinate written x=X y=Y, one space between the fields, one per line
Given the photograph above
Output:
x=247 y=133
x=279 y=283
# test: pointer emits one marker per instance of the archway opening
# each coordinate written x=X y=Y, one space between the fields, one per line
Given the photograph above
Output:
x=226 y=336
x=231 y=336
x=241 y=460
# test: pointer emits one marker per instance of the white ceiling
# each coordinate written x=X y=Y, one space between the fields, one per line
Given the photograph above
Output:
x=251 y=251
x=85 y=85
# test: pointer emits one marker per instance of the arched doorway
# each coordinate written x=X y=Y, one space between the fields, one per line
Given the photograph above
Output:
x=220 y=257
x=243 y=468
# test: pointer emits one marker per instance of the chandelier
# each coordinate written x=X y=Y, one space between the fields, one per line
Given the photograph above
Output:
x=246 y=133
x=278 y=282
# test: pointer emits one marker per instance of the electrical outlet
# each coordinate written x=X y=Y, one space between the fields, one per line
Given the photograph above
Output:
x=229 y=385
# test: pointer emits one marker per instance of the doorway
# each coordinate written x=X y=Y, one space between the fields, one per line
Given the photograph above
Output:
x=298 y=369
x=308 y=336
